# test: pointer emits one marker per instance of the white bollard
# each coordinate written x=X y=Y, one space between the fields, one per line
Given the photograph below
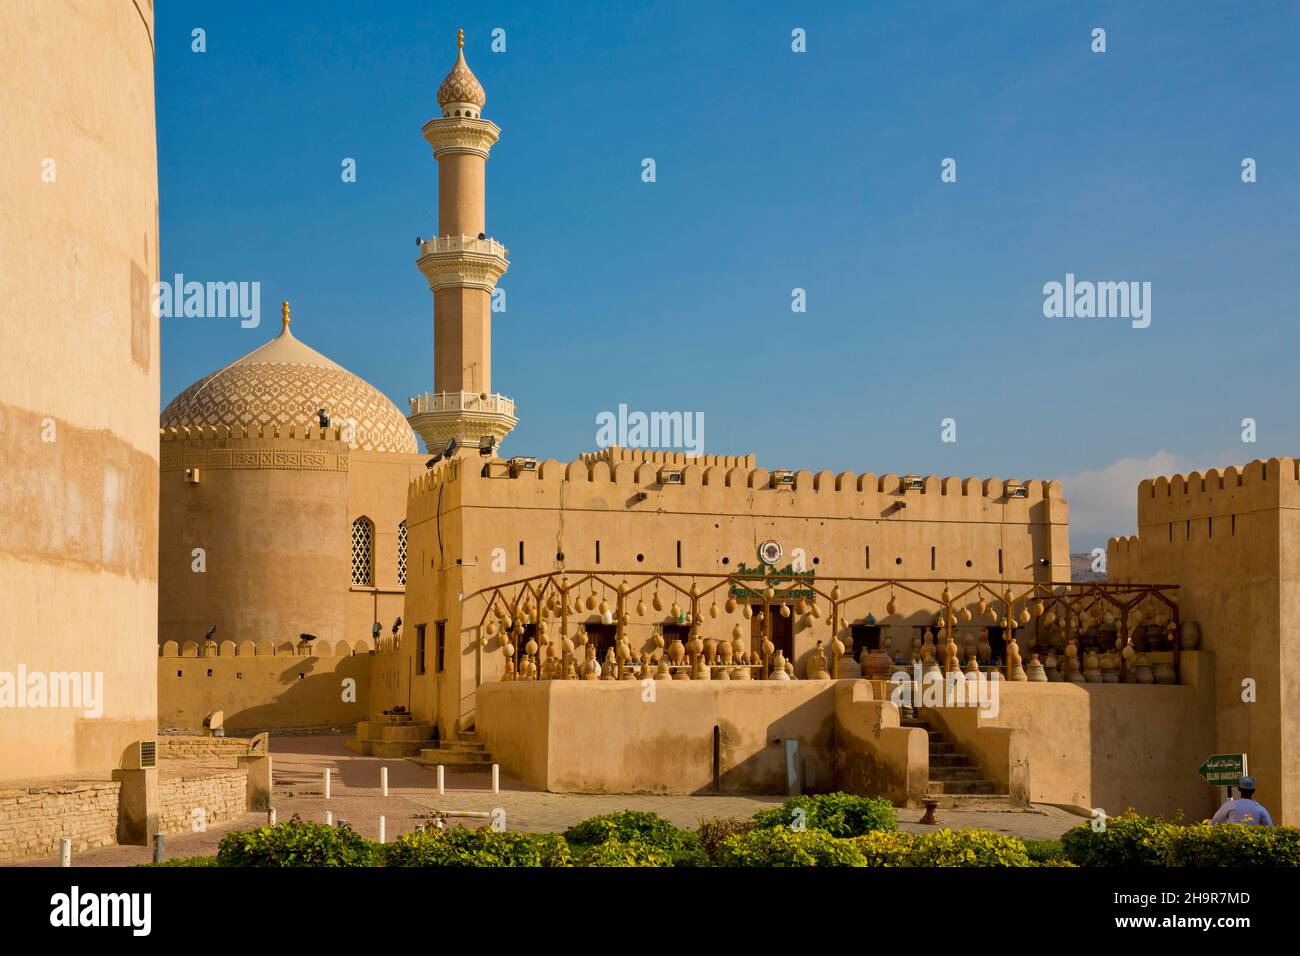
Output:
x=65 y=851
x=441 y=788
x=327 y=783
x=329 y=818
x=496 y=778
x=270 y=817
x=383 y=779
x=381 y=829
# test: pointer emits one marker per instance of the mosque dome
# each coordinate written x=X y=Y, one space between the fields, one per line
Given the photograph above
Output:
x=285 y=382
x=461 y=87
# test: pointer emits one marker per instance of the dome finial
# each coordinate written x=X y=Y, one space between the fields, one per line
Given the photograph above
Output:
x=284 y=316
x=461 y=94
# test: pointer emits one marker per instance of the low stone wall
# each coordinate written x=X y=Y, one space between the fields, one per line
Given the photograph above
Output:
x=200 y=800
x=184 y=747
x=33 y=819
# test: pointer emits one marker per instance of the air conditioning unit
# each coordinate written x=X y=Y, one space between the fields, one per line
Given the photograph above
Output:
x=780 y=478
x=141 y=755
x=913 y=483
x=670 y=476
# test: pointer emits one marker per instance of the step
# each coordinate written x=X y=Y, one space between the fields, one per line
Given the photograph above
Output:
x=956 y=773
x=950 y=760
x=462 y=746
x=433 y=756
x=951 y=787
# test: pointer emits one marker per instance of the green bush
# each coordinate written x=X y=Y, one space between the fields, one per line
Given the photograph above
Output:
x=477 y=846
x=1045 y=851
x=628 y=825
x=625 y=853
x=297 y=843
x=1128 y=840
x=714 y=830
x=885 y=847
x=186 y=861
x=1233 y=844
x=839 y=814
x=639 y=839
x=772 y=846
x=967 y=848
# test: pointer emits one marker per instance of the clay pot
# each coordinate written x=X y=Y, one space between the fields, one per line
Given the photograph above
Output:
x=676 y=651
x=1191 y=635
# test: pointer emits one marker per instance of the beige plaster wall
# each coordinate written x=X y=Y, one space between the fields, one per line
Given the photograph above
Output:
x=465 y=525
x=1229 y=539
x=1112 y=746
x=603 y=737
x=259 y=692
x=79 y=381
x=274 y=514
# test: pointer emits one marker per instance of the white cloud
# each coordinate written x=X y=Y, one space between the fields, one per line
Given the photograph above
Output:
x=1103 y=501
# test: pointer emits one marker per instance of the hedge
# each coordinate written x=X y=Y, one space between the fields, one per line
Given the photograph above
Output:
x=297 y=843
x=839 y=814
x=477 y=846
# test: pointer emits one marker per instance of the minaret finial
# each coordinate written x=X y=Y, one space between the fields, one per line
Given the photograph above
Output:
x=284 y=315
x=460 y=39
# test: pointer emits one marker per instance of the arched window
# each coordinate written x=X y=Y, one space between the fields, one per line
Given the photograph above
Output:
x=401 y=554
x=363 y=552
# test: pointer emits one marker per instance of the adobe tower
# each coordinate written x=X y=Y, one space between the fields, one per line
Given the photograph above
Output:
x=462 y=265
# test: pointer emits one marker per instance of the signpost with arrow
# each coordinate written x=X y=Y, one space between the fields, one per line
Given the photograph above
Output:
x=1223 y=770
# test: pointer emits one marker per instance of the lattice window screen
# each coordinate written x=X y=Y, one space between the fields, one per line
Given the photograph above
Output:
x=363 y=552
x=401 y=554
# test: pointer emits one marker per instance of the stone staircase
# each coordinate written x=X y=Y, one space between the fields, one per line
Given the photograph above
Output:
x=954 y=777
x=466 y=752
x=392 y=735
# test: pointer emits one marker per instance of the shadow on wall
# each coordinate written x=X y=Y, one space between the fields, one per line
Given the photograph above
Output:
x=258 y=692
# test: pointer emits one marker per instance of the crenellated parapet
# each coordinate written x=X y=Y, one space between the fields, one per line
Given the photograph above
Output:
x=199 y=649
x=1232 y=490
x=729 y=485
x=282 y=447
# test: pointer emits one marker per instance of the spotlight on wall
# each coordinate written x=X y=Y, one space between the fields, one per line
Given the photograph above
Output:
x=375 y=629
x=323 y=417
x=419 y=240
x=518 y=465
x=452 y=447
x=212 y=630
x=779 y=478
x=487 y=445
x=396 y=624
x=433 y=461
x=670 y=476
x=1016 y=490
x=482 y=235
x=1045 y=562
x=913 y=483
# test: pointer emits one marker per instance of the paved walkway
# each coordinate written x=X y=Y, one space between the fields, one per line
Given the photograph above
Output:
x=299 y=764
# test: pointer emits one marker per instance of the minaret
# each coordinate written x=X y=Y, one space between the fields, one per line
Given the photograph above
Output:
x=462 y=266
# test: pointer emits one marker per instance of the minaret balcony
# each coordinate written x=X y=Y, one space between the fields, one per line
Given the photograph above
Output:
x=461 y=402
x=439 y=417
x=462 y=262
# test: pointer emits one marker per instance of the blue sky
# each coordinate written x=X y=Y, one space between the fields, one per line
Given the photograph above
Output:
x=776 y=170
